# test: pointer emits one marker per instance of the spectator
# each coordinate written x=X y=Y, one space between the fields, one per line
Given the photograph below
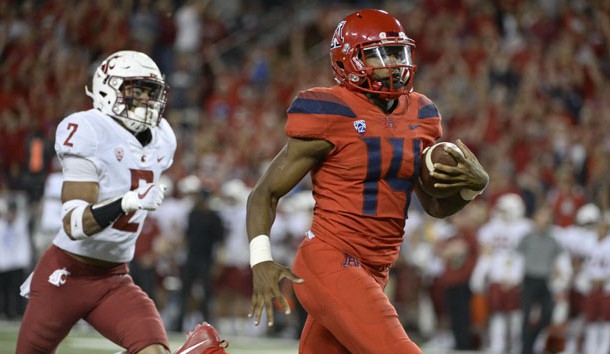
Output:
x=459 y=251
x=15 y=258
x=50 y=222
x=566 y=197
x=142 y=266
x=234 y=281
x=540 y=250
x=204 y=233
x=189 y=26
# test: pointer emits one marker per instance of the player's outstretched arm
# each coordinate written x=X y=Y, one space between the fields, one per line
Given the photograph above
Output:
x=82 y=217
x=287 y=169
x=468 y=174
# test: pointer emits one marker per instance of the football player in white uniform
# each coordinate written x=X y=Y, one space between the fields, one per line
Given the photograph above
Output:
x=112 y=157
x=594 y=283
x=579 y=239
x=499 y=270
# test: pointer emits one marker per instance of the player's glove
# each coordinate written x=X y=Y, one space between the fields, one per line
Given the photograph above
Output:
x=148 y=197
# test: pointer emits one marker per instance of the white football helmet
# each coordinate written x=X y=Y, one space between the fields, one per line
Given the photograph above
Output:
x=120 y=85
x=510 y=207
x=588 y=214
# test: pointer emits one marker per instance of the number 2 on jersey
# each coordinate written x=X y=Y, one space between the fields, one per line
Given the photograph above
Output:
x=73 y=127
x=123 y=223
x=374 y=171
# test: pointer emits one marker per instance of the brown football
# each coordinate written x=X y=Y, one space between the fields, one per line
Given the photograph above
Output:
x=437 y=154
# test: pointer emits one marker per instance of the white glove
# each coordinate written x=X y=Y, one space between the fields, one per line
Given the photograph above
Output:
x=148 y=197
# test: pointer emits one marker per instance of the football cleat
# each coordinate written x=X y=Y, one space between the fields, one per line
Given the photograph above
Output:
x=203 y=340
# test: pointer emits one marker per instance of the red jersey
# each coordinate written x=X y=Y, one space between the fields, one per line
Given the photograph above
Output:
x=363 y=188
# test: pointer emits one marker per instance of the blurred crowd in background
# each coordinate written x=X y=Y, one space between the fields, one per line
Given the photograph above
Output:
x=523 y=83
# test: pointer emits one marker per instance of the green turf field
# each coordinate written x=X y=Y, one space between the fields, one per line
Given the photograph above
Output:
x=84 y=341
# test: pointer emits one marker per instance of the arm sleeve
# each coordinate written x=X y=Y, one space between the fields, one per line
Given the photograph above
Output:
x=78 y=169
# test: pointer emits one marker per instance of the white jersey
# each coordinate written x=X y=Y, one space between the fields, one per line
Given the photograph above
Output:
x=172 y=215
x=498 y=236
x=122 y=164
x=578 y=240
x=235 y=246
x=499 y=240
x=597 y=263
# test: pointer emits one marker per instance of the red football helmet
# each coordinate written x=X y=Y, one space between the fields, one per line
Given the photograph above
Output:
x=365 y=43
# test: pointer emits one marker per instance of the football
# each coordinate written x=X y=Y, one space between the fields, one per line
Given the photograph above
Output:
x=437 y=154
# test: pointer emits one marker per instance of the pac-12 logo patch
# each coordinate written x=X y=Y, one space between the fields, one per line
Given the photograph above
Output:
x=360 y=126
x=118 y=153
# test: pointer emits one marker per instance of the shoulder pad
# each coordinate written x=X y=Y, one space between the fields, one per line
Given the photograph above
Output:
x=427 y=108
x=318 y=114
x=320 y=102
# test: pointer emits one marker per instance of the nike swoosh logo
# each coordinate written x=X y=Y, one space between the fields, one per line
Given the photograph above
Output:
x=190 y=349
x=414 y=126
x=160 y=158
x=142 y=195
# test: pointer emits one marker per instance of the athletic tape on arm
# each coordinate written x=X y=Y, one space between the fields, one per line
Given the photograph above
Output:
x=77 y=207
x=70 y=205
x=76 y=222
x=260 y=250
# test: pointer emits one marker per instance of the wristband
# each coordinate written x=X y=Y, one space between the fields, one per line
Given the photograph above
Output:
x=469 y=194
x=260 y=250
x=107 y=211
x=76 y=223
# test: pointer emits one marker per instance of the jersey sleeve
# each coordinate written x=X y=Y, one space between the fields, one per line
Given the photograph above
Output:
x=430 y=118
x=317 y=114
x=75 y=136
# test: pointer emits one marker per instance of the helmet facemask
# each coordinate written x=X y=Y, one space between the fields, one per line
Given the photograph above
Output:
x=387 y=70
x=140 y=102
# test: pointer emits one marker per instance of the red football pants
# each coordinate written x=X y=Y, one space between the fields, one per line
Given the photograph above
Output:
x=348 y=312
x=504 y=299
x=106 y=298
x=596 y=305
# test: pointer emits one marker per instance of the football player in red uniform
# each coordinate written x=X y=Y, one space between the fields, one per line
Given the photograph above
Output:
x=362 y=141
